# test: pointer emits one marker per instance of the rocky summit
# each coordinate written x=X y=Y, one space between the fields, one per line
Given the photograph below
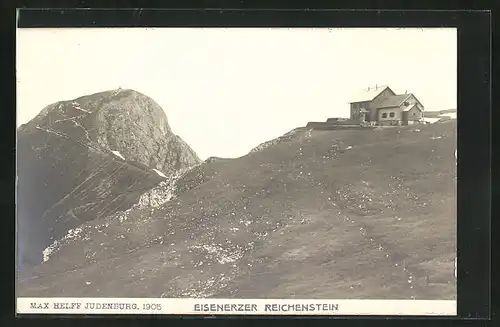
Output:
x=346 y=214
x=85 y=159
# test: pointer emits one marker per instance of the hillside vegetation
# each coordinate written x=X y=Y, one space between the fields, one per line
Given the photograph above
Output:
x=316 y=214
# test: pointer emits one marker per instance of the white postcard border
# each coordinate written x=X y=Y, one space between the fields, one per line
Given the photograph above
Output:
x=194 y=306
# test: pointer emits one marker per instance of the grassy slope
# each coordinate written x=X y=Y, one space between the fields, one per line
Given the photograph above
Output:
x=304 y=218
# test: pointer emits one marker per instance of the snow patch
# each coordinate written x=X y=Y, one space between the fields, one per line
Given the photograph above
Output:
x=430 y=120
x=76 y=105
x=155 y=197
x=451 y=115
x=72 y=233
x=118 y=154
x=162 y=193
x=49 y=250
x=160 y=173
x=81 y=109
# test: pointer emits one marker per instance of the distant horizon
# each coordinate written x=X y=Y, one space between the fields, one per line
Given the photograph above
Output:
x=225 y=91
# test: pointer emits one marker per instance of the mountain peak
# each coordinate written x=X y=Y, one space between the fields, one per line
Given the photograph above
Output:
x=83 y=159
x=123 y=120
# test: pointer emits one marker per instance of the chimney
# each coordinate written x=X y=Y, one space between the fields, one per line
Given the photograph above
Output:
x=376 y=87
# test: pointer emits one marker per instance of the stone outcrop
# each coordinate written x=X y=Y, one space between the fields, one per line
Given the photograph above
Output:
x=85 y=159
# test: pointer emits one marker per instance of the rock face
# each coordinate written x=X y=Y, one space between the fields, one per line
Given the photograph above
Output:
x=84 y=159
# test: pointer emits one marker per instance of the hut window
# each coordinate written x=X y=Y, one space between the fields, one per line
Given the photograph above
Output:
x=384 y=115
x=391 y=114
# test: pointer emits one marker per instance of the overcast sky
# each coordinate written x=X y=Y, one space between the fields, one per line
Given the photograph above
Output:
x=227 y=90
